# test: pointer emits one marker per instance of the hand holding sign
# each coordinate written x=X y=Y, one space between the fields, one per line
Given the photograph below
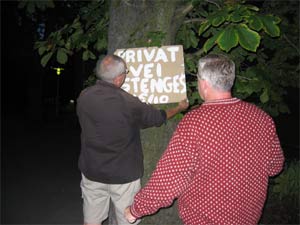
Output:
x=156 y=74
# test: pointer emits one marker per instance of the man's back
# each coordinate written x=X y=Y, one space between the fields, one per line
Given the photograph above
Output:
x=110 y=120
x=237 y=149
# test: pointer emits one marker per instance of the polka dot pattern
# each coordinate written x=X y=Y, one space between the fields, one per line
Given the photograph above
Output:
x=217 y=164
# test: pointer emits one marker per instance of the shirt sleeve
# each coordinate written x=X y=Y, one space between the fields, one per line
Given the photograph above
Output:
x=171 y=176
x=146 y=115
x=276 y=160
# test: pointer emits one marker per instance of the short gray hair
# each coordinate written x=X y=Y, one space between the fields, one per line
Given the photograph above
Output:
x=110 y=67
x=218 y=70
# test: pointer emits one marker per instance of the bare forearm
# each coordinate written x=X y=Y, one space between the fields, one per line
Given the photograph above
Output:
x=183 y=105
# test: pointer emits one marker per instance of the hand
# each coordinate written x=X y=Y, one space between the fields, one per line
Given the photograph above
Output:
x=183 y=105
x=130 y=218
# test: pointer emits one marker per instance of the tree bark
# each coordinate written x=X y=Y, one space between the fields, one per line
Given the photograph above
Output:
x=131 y=20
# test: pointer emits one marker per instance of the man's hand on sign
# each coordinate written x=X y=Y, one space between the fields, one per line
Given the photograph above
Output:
x=183 y=105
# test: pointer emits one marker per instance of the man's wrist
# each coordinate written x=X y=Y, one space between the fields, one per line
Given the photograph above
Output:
x=178 y=109
x=133 y=213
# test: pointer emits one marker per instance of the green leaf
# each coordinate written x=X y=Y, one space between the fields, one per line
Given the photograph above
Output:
x=276 y=19
x=84 y=45
x=203 y=13
x=264 y=97
x=39 y=44
x=204 y=26
x=31 y=7
x=218 y=20
x=235 y=17
x=76 y=36
x=228 y=39
x=68 y=44
x=91 y=55
x=283 y=108
x=210 y=42
x=269 y=26
x=252 y=7
x=61 y=56
x=42 y=49
x=194 y=39
x=46 y=58
x=85 y=55
x=248 y=39
x=255 y=23
x=101 y=44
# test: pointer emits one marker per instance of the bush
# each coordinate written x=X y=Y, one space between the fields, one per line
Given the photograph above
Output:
x=282 y=205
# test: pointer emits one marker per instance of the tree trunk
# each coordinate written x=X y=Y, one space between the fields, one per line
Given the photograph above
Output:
x=130 y=22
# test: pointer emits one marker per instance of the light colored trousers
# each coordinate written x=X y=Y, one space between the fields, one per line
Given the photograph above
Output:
x=97 y=197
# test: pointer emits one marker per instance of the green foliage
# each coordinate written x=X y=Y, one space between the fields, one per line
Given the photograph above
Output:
x=90 y=81
x=252 y=39
x=282 y=204
x=286 y=185
x=87 y=34
x=33 y=6
x=233 y=21
x=261 y=42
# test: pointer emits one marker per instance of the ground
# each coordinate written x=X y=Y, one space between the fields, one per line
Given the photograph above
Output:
x=40 y=179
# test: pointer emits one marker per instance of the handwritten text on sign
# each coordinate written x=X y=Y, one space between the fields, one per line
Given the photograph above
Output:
x=156 y=74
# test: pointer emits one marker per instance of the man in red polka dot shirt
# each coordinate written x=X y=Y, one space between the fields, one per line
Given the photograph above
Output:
x=219 y=159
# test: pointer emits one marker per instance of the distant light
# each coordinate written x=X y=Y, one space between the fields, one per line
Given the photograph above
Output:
x=41 y=30
x=58 y=70
x=72 y=101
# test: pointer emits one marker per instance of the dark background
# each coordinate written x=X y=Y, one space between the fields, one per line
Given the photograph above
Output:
x=40 y=145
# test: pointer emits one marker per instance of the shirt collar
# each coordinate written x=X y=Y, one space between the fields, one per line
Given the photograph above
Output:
x=221 y=101
x=101 y=82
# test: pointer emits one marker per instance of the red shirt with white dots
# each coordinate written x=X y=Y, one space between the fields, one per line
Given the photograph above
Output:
x=217 y=164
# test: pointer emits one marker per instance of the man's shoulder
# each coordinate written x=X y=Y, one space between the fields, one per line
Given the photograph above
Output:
x=86 y=90
x=255 y=108
x=129 y=97
x=255 y=113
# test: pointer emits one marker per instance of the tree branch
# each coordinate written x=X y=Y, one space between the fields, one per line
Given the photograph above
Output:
x=181 y=12
x=197 y=53
x=291 y=43
x=211 y=1
x=194 y=20
x=244 y=78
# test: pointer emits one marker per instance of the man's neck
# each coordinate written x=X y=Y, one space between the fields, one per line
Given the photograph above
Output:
x=213 y=96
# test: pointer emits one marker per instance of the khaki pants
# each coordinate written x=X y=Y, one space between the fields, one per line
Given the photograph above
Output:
x=96 y=198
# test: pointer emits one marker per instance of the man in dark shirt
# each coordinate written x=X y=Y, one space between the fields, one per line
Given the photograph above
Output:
x=111 y=158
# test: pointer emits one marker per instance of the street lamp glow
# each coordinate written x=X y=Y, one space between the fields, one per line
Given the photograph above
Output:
x=58 y=70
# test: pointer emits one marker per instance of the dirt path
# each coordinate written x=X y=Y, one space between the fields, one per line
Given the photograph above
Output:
x=40 y=179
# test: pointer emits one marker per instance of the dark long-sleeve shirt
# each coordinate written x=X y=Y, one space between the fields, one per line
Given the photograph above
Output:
x=110 y=121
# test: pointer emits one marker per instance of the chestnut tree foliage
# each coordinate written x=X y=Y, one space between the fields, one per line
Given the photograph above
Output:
x=260 y=36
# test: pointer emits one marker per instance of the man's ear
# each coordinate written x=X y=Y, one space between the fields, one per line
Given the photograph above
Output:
x=202 y=84
x=205 y=84
x=118 y=80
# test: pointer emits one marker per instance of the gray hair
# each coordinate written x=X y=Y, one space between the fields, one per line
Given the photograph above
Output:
x=218 y=70
x=110 y=67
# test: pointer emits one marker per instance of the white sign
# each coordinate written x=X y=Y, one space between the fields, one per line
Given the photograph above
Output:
x=156 y=75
